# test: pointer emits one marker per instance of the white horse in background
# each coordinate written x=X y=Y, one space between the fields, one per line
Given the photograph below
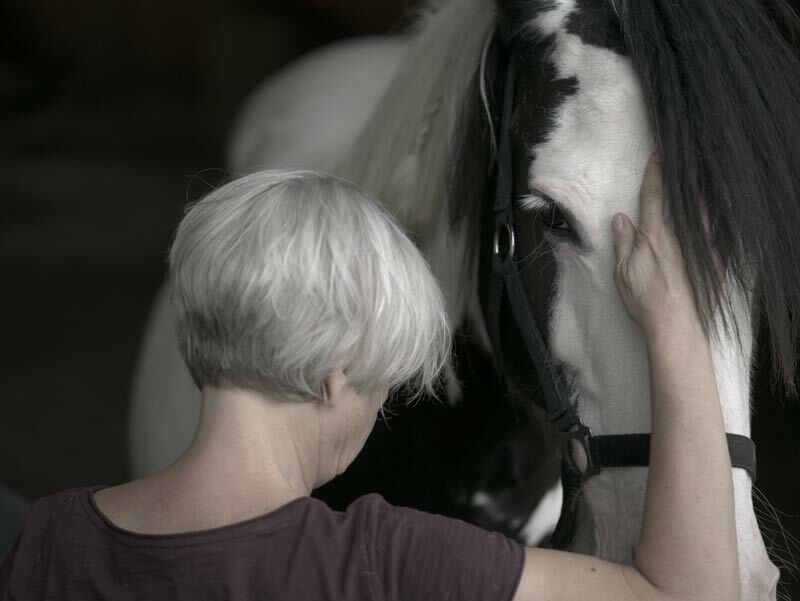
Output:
x=388 y=114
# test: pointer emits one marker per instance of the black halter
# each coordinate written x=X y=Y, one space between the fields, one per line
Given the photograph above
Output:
x=616 y=450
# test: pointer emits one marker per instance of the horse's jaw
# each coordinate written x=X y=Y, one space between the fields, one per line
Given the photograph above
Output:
x=611 y=504
x=609 y=517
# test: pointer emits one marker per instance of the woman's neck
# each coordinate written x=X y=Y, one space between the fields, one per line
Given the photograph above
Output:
x=249 y=456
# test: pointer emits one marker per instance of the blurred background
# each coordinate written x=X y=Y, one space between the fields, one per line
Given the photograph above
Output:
x=114 y=114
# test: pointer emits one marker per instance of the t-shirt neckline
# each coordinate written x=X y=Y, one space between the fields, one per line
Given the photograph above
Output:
x=268 y=521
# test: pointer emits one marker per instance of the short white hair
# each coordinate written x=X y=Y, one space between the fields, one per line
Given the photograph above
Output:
x=279 y=278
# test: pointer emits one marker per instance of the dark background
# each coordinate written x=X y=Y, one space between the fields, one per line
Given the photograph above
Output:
x=113 y=114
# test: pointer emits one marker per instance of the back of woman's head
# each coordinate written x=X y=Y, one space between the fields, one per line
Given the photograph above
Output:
x=279 y=278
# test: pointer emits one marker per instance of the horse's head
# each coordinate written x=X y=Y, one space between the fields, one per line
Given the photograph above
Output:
x=599 y=86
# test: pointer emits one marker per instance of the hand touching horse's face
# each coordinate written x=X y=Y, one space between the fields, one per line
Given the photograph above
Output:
x=582 y=139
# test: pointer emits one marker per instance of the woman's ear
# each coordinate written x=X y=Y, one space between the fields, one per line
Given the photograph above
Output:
x=333 y=386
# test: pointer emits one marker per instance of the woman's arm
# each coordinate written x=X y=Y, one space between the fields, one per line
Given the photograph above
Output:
x=687 y=549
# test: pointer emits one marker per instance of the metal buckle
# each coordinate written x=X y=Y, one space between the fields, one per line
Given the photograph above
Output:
x=580 y=438
x=507 y=249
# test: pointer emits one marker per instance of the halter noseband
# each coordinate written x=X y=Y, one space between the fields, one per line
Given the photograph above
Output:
x=603 y=451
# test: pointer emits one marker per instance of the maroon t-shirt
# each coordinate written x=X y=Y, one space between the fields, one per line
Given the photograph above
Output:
x=301 y=551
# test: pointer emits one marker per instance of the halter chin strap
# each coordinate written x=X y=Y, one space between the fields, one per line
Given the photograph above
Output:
x=585 y=454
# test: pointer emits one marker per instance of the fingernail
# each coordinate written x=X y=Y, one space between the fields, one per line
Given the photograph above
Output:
x=618 y=223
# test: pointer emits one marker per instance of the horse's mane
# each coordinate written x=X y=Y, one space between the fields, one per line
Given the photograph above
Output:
x=418 y=113
x=723 y=90
x=405 y=154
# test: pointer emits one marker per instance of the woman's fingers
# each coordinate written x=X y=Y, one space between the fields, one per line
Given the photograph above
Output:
x=651 y=197
x=624 y=235
x=650 y=274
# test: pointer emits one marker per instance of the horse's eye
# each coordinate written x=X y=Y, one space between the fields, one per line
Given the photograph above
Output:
x=547 y=215
x=555 y=222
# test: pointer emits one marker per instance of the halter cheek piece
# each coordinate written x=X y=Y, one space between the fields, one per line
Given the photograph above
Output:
x=585 y=454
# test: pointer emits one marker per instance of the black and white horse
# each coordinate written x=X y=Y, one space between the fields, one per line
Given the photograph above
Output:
x=600 y=85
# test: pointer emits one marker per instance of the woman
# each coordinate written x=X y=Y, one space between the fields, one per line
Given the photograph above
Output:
x=300 y=305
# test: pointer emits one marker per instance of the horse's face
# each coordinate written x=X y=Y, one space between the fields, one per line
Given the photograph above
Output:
x=581 y=139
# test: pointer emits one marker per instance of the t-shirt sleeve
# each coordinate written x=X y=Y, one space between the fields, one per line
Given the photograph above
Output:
x=420 y=556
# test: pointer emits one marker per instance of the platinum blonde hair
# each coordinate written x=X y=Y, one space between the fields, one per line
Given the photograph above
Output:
x=279 y=278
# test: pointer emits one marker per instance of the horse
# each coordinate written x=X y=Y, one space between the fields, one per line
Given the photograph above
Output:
x=599 y=85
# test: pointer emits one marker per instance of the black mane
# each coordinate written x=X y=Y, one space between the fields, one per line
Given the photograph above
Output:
x=723 y=88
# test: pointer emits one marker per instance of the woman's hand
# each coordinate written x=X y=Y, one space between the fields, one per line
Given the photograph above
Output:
x=650 y=274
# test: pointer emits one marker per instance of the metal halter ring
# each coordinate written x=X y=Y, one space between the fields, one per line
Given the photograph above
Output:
x=508 y=239
x=580 y=440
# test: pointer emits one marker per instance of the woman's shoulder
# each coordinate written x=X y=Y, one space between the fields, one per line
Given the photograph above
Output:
x=387 y=524
x=53 y=507
x=425 y=555
x=373 y=511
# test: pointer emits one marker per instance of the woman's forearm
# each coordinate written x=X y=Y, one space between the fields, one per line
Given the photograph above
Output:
x=687 y=549
x=688 y=544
